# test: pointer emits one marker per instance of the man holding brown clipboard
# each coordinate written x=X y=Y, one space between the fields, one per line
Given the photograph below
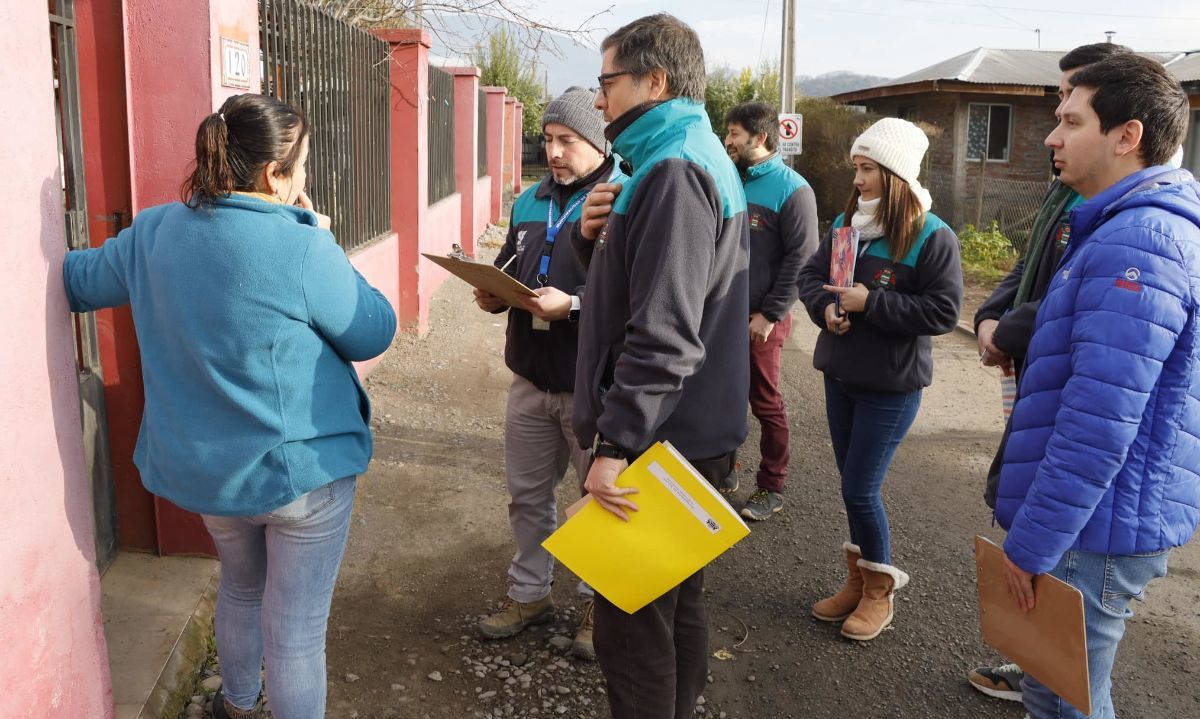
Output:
x=1101 y=473
x=540 y=349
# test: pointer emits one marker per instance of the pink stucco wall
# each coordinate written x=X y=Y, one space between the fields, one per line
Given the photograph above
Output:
x=483 y=204
x=51 y=636
x=443 y=229
x=379 y=263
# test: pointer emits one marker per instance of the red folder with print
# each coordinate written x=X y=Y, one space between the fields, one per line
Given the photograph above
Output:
x=842 y=259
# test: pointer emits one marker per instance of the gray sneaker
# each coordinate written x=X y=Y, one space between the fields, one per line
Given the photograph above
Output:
x=1003 y=682
x=762 y=504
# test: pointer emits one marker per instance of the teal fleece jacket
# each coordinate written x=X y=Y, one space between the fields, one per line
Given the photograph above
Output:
x=248 y=316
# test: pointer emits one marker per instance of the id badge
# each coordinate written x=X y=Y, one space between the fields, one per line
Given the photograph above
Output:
x=541 y=325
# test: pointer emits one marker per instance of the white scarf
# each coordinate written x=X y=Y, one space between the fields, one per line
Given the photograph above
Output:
x=866 y=221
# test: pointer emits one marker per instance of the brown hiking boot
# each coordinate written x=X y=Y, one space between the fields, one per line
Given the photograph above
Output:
x=582 y=647
x=876 y=609
x=840 y=605
x=514 y=616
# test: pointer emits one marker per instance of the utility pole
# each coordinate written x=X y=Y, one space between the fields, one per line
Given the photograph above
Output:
x=787 y=59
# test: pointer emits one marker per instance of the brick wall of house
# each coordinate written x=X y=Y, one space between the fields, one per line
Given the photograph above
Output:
x=952 y=180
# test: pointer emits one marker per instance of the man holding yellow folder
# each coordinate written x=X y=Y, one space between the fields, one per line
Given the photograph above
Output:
x=663 y=347
x=1101 y=473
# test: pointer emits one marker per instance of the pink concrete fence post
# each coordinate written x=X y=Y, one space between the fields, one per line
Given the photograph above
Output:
x=518 y=145
x=511 y=148
x=495 y=148
x=466 y=148
x=174 y=80
x=409 y=73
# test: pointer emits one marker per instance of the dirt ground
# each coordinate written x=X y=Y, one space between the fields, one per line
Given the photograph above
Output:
x=430 y=545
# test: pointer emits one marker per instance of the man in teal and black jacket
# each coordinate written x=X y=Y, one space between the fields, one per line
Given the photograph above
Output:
x=663 y=350
x=782 y=210
x=539 y=348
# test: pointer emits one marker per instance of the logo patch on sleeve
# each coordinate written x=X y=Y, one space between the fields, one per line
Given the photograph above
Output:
x=884 y=279
x=1132 y=275
x=756 y=222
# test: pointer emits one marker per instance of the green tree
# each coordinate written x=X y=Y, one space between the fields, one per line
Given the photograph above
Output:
x=502 y=63
x=728 y=87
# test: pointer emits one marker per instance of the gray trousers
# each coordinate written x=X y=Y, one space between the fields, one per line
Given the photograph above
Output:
x=538 y=446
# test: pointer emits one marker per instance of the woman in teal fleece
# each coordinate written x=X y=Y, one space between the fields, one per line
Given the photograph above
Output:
x=248 y=317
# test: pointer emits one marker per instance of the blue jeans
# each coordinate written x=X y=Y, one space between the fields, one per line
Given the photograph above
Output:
x=277 y=575
x=1109 y=582
x=866 y=428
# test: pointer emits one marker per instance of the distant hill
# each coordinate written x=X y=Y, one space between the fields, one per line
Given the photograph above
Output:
x=837 y=82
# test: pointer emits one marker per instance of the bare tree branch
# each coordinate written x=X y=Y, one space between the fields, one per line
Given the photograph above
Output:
x=534 y=34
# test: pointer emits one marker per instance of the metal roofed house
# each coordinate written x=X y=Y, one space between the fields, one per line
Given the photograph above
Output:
x=994 y=109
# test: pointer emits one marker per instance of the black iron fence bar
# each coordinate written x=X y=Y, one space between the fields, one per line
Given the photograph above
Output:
x=442 y=182
x=338 y=75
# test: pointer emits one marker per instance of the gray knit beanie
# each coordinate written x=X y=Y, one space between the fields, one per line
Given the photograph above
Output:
x=576 y=109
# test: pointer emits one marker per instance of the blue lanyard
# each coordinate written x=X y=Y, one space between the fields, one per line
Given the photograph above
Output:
x=552 y=229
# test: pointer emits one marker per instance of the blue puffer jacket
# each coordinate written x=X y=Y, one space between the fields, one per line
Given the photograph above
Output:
x=1104 y=454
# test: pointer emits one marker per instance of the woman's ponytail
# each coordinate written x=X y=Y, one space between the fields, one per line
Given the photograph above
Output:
x=212 y=177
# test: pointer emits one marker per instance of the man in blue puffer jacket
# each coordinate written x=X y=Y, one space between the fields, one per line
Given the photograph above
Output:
x=1101 y=476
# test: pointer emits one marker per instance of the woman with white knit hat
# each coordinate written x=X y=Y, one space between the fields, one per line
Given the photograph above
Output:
x=876 y=350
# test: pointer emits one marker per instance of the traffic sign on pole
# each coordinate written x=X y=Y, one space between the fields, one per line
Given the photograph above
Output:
x=791 y=132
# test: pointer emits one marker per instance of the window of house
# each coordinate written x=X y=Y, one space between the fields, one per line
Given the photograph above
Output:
x=989 y=131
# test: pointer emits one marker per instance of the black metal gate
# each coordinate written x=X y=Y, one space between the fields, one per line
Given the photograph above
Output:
x=87 y=352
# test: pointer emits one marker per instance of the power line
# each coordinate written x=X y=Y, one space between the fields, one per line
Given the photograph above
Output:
x=939 y=21
x=763 y=37
x=1054 y=12
x=1021 y=25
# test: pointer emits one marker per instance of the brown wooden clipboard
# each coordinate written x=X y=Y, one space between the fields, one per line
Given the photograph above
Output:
x=485 y=276
x=1049 y=642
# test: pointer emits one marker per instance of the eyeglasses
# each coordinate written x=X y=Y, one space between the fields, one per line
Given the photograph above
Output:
x=602 y=80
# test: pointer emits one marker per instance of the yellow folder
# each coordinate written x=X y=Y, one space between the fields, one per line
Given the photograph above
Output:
x=681 y=525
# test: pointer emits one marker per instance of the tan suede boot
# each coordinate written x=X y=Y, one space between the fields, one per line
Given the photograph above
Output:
x=875 y=610
x=840 y=605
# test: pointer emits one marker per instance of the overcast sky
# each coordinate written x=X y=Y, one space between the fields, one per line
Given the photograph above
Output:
x=895 y=37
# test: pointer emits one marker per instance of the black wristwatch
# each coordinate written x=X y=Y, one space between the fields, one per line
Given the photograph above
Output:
x=573 y=313
x=610 y=450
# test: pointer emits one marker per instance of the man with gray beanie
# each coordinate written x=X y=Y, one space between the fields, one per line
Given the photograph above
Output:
x=540 y=349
